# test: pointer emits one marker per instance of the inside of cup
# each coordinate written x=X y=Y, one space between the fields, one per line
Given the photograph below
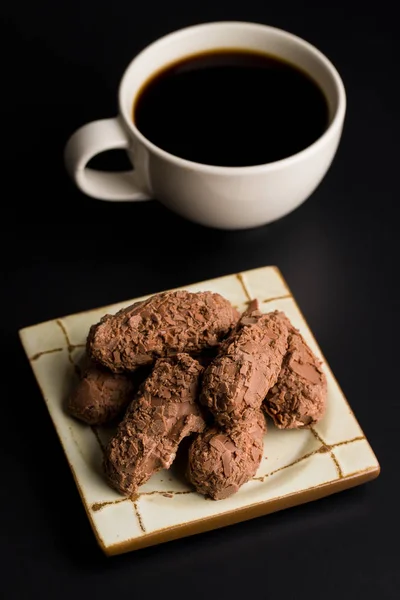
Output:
x=229 y=35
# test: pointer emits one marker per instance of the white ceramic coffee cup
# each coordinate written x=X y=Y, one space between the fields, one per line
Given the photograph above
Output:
x=223 y=197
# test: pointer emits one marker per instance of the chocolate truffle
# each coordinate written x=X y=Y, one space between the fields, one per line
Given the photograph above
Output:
x=101 y=396
x=163 y=413
x=247 y=366
x=298 y=398
x=161 y=326
x=221 y=461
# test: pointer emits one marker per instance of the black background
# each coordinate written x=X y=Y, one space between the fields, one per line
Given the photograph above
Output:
x=63 y=252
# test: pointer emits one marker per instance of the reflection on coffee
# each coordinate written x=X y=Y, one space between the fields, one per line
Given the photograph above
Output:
x=231 y=108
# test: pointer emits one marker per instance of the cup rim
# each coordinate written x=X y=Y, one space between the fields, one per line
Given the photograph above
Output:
x=334 y=125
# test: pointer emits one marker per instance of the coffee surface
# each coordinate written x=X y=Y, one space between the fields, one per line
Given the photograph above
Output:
x=231 y=108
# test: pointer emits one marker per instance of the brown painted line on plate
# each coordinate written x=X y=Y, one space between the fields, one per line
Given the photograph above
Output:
x=359 y=438
x=338 y=467
x=329 y=447
x=240 y=278
x=64 y=331
x=99 y=505
x=39 y=354
x=73 y=346
x=295 y=462
x=139 y=516
x=70 y=347
x=167 y=493
x=321 y=450
x=319 y=438
x=284 y=297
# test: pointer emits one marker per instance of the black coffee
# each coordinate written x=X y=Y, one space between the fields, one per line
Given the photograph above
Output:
x=231 y=108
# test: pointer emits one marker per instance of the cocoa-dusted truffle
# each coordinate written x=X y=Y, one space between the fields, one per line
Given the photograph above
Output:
x=247 y=366
x=221 y=461
x=163 y=413
x=163 y=325
x=298 y=399
x=101 y=396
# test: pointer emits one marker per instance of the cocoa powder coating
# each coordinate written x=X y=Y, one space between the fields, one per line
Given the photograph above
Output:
x=298 y=399
x=247 y=366
x=163 y=413
x=164 y=325
x=100 y=396
x=221 y=461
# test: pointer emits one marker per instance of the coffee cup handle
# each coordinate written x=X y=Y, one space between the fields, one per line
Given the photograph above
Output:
x=92 y=139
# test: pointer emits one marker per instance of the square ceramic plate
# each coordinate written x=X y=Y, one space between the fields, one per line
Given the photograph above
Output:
x=298 y=466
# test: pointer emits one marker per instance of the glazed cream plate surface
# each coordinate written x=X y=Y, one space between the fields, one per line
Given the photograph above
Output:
x=298 y=466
